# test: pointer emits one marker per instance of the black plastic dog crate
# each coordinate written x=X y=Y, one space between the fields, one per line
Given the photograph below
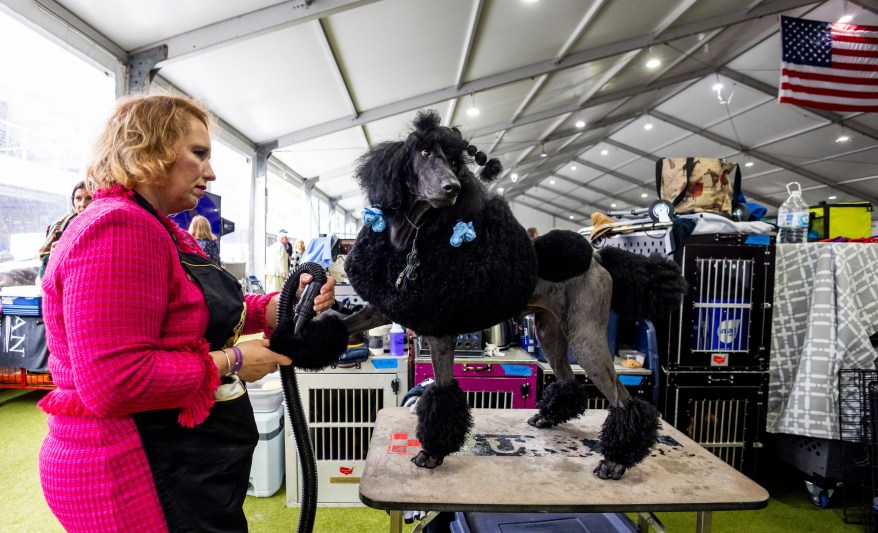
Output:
x=724 y=412
x=725 y=319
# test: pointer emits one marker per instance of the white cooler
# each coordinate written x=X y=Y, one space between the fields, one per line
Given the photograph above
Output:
x=267 y=470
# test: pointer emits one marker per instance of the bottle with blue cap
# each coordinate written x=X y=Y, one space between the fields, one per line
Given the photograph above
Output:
x=793 y=217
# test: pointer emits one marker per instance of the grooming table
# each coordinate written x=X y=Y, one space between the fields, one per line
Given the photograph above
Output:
x=508 y=466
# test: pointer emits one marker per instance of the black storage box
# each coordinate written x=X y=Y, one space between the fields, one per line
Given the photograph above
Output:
x=542 y=523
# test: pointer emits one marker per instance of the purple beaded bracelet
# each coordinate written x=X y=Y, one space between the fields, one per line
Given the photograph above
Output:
x=239 y=359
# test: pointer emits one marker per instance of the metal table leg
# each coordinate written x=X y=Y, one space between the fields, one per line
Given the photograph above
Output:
x=702 y=522
x=395 y=521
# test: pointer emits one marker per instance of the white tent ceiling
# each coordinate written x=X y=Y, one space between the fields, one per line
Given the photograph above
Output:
x=319 y=81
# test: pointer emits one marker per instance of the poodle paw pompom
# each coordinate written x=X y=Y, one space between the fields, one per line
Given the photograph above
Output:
x=561 y=401
x=444 y=419
x=320 y=343
x=629 y=433
x=610 y=470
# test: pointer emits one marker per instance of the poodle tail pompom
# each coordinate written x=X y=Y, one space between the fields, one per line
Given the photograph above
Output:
x=562 y=254
x=629 y=432
x=492 y=169
x=317 y=346
x=643 y=287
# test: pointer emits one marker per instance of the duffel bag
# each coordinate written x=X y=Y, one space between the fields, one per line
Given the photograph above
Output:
x=698 y=184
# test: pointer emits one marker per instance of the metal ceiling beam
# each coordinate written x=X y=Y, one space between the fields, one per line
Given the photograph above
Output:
x=870 y=5
x=768 y=158
x=471 y=30
x=538 y=83
x=771 y=90
x=556 y=206
x=568 y=210
x=542 y=67
x=535 y=208
x=250 y=25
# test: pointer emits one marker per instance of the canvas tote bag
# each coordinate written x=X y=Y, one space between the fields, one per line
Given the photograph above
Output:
x=698 y=184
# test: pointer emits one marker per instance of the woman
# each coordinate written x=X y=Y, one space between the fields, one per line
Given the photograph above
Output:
x=141 y=329
x=199 y=228
x=80 y=199
x=298 y=253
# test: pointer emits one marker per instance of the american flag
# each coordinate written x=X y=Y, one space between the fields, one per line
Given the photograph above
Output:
x=829 y=65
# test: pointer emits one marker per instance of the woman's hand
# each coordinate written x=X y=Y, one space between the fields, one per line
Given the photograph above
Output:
x=259 y=361
x=322 y=302
x=325 y=299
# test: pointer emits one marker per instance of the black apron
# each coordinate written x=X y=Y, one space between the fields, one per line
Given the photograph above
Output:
x=201 y=474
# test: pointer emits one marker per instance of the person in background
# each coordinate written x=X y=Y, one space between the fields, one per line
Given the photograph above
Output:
x=199 y=228
x=298 y=253
x=79 y=198
x=150 y=424
x=277 y=262
x=533 y=233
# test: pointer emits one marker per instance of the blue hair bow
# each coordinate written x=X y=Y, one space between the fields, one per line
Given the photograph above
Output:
x=463 y=232
x=374 y=218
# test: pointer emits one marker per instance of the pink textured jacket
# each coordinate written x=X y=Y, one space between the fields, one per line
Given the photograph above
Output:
x=125 y=332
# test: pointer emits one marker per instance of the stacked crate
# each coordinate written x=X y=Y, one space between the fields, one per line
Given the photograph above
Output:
x=714 y=383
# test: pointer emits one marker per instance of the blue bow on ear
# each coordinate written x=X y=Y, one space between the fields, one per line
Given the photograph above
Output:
x=463 y=232
x=374 y=218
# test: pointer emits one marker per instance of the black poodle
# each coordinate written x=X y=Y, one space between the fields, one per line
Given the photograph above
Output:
x=442 y=255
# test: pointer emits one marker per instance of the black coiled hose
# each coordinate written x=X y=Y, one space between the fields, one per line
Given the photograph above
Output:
x=304 y=311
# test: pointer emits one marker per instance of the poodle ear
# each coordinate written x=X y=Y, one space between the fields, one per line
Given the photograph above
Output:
x=492 y=169
x=427 y=120
x=381 y=173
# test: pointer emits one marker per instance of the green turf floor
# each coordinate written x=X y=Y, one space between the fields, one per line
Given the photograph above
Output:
x=23 y=509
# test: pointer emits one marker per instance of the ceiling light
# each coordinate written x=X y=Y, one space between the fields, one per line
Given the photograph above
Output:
x=613 y=205
x=717 y=87
x=552 y=181
x=833 y=197
x=648 y=125
x=580 y=124
x=843 y=138
x=571 y=217
x=531 y=1
x=543 y=151
x=514 y=177
x=653 y=63
x=473 y=111
x=644 y=195
x=845 y=19
x=500 y=190
x=572 y=167
x=605 y=152
x=748 y=164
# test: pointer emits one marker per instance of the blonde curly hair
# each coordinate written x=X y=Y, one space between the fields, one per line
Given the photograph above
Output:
x=138 y=143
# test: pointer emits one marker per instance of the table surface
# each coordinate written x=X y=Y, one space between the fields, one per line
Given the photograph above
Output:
x=508 y=466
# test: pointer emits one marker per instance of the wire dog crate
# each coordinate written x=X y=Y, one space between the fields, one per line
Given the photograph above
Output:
x=341 y=405
x=858 y=425
x=725 y=319
x=714 y=382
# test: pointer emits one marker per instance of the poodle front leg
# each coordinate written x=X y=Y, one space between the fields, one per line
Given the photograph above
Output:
x=444 y=417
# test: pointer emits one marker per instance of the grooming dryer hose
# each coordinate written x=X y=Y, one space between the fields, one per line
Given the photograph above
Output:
x=303 y=312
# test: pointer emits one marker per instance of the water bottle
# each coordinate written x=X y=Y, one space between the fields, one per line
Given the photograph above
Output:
x=792 y=217
x=397 y=340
